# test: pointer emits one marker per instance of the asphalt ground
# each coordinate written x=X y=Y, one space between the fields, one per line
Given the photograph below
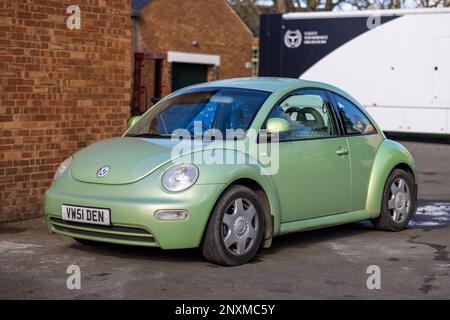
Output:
x=328 y=263
x=433 y=167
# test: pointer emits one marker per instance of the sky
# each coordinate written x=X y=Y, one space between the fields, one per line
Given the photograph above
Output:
x=409 y=4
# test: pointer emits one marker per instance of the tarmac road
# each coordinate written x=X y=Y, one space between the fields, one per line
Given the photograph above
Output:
x=433 y=166
x=327 y=263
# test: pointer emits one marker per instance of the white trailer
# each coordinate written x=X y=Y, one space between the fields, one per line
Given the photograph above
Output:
x=395 y=62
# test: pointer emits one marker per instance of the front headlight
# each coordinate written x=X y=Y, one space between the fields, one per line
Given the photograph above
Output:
x=179 y=177
x=62 y=167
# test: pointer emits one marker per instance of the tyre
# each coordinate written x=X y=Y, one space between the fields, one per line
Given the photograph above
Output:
x=86 y=242
x=235 y=228
x=399 y=202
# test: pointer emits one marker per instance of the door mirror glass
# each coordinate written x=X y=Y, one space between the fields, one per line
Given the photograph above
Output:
x=277 y=125
x=132 y=121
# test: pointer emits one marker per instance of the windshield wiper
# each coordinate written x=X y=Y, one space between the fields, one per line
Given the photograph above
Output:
x=150 y=135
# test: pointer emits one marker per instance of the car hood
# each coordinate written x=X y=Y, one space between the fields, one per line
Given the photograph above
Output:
x=129 y=159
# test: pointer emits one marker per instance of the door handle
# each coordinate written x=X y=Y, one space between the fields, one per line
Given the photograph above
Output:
x=342 y=151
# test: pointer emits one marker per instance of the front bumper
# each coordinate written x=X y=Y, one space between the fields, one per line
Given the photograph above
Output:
x=132 y=212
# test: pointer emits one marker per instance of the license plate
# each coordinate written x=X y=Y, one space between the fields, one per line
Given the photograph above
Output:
x=91 y=215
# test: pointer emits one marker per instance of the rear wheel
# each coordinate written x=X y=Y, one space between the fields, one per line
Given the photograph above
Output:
x=399 y=202
x=235 y=229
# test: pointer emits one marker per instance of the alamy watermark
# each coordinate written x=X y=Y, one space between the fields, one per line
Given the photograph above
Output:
x=212 y=147
x=74 y=280
x=374 y=280
x=74 y=20
x=374 y=20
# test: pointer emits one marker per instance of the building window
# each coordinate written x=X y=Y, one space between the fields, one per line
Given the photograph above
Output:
x=255 y=61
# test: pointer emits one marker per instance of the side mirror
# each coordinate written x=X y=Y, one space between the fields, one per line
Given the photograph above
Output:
x=132 y=121
x=277 y=125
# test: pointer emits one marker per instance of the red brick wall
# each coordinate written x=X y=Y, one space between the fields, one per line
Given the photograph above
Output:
x=60 y=90
x=172 y=25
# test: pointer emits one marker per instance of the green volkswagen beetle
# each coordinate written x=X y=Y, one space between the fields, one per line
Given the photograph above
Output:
x=228 y=165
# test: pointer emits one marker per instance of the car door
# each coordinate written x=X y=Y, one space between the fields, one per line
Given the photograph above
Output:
x=363 y=141
x=313 y=178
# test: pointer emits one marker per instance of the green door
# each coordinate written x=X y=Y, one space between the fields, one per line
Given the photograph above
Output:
x=313 y=179
x=186 y=74
x=363 y=142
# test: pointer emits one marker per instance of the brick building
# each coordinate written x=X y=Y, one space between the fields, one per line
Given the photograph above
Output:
x=201 y=40
x=60 y=90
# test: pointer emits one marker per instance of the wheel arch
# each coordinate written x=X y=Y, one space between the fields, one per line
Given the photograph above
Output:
x=406 y=167
x=390 y=156
x=268 y=212
x=252 y=175
x=263 y=187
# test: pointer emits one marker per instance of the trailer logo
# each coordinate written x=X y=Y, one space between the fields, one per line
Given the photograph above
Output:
x=293 y=39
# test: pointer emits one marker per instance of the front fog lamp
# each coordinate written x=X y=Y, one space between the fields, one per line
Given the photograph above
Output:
x=179 y=177
x=62 y=167
x=171 y=215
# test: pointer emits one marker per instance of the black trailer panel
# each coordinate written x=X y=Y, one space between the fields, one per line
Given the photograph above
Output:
x=289 y=47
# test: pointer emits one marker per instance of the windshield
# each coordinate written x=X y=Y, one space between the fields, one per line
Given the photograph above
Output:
x=199 y=111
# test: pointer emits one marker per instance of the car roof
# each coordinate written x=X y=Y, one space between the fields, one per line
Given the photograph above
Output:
x=274 y=84
x=265 y=84
x=270 y=84
x=256 y=83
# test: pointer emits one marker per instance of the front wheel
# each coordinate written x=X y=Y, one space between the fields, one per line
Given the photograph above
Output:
x=399 y=202
x=235 y=229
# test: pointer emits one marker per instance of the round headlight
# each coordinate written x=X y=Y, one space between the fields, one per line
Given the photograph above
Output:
x=62 y=167
x=179 y=177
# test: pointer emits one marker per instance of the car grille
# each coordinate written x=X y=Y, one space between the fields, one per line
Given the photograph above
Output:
x=104 y=232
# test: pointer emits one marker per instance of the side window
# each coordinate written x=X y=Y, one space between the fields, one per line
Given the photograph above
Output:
x=308 y=115
x=355 y=122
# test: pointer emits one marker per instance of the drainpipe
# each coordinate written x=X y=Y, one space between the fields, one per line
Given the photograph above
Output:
x=134 y=18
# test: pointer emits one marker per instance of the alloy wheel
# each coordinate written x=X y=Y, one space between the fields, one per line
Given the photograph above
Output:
x=399 y=203
x=240 y=226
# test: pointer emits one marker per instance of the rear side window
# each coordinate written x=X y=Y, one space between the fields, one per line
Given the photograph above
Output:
x=355 y=121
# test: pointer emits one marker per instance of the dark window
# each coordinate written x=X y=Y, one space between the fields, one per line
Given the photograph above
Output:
x=355 y=121
x=308 y=114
